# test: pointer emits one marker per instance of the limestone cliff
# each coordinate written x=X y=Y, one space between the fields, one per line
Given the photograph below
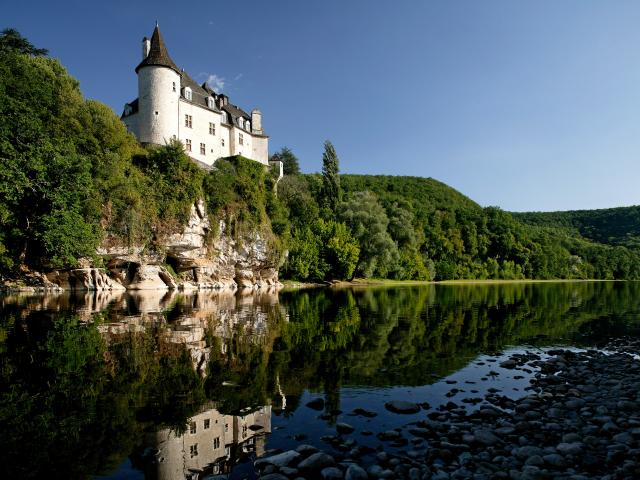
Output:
x=200 y=259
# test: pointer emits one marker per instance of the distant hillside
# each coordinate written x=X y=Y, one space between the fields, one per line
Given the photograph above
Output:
x=612 y=226
x=423 y=192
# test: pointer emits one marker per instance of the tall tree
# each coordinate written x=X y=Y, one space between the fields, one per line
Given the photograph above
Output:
x=331 y=191
x=290 y=163
x=12 y=41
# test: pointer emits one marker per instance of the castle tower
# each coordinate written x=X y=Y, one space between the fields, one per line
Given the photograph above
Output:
x=159 y=92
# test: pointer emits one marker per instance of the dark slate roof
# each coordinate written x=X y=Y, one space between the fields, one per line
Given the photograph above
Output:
x=235 y=113
x=134 y=108
x=199 y=93
x=158 y=54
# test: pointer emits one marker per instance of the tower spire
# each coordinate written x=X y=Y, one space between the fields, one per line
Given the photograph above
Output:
x=158 y=54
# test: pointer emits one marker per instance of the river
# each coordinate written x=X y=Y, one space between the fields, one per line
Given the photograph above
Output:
x=164 y=385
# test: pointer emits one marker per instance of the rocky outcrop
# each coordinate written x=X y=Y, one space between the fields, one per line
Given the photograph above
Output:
x=201 y=259
x=83 y=279
x=223 y=262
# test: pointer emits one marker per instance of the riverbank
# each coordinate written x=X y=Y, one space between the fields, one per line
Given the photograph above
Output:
x=580 y=419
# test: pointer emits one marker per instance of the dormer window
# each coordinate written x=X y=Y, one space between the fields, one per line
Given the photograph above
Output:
x=224 y=117
x=210 y=103
x=248 y=126
x=127 y=109
x=241 y=122
x=187 y=94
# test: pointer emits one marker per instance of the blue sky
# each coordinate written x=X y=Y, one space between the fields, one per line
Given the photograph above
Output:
x=527 y=105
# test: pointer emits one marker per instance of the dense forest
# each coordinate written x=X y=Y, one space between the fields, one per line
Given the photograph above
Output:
x=614 y=226
x=71 y=175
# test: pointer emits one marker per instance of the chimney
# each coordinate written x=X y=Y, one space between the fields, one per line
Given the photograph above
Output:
x=256 y=121
x=146 y=46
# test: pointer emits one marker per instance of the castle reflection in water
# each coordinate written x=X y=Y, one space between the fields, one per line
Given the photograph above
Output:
x=213 y=444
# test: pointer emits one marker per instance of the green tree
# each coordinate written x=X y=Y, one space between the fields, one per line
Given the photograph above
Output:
x=12 y=41
x=331 y=191
x=368 y=222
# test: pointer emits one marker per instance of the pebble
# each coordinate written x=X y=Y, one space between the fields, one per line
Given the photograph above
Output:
x=579 y=420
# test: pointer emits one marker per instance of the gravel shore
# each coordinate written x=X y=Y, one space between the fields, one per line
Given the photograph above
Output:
x=579 y=420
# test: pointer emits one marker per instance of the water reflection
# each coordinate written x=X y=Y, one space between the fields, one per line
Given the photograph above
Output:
x=214 y=443
x=128 y=373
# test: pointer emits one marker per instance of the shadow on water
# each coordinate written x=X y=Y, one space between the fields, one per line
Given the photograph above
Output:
x=169 y=384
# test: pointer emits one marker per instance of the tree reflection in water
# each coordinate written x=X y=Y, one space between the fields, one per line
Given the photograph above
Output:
x=89 y=380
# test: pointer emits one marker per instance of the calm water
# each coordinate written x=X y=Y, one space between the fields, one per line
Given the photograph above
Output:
x=164 y=385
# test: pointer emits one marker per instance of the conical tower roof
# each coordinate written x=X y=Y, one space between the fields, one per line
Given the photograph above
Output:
x=158 y=55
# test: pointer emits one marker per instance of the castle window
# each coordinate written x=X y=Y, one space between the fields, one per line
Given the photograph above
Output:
x=216 y=442
x=222 y=141
x=226 y=427
x=207 y=423
x=212 y=128
x=187 y=144
x=188 y=121
x=193 y=450
x=187 y=94
x=174 y=86
x=192 y=427
x=240 y=139
x=203 y=149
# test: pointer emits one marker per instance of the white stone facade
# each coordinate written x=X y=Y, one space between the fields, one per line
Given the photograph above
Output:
x=170 y=105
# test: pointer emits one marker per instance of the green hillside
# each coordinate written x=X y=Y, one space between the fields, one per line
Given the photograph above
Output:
x=613 y=226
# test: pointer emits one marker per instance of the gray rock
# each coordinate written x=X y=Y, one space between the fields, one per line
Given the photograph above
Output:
x=401 y=406
x=331 y=473
x=528 y=451
x=316 y=462
x=623 y=437
x=575 y=403
x=389 y=435
x=571 y=437
x=274 y=476
x=375 y=470
x=574 y=448
x=555 y=460
x=485 y=437
x=288 y=471
x=354 y=472
x=306 y=450
x=281 y=460
x=344 y=428
x=509 y=364
x=535 y=460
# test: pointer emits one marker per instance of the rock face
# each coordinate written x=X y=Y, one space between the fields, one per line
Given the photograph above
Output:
x=201 y=259
x=222 y=262
x=83 y=279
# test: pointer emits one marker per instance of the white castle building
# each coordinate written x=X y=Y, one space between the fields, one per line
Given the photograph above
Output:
x=171 y=105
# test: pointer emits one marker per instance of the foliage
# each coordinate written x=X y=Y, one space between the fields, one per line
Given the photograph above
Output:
x=613 y=226
x=368 y=221
x=331 y=191
x=12 y=42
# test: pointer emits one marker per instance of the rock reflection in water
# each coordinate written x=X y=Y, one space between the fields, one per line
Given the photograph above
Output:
x=214 y=443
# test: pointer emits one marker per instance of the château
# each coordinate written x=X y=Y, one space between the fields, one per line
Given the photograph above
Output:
x=172 y=106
